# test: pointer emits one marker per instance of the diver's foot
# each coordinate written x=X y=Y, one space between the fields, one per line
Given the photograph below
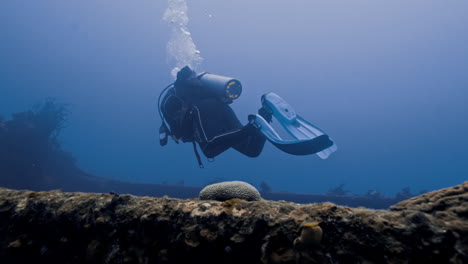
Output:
x=267 y=115
x=252 y=121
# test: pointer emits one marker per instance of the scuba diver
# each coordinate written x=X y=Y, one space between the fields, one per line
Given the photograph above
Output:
x=196 y=109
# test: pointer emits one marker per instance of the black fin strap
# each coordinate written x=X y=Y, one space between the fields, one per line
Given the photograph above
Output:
x=200 y=164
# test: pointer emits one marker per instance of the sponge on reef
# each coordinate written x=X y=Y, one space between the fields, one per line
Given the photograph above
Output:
x=230 y=190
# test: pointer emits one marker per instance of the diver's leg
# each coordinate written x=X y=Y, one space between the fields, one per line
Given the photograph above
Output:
x=252 y=144
x=220 y=144
x=248 y=141
x=218 y=129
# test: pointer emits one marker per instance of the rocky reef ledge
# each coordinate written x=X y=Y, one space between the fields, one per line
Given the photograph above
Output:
x=58 y=227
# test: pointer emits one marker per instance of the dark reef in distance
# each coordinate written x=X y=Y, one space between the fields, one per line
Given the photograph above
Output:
x=58 y=227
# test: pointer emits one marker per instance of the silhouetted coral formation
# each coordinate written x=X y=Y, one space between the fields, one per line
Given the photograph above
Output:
x=30 y=154
x=338 y=190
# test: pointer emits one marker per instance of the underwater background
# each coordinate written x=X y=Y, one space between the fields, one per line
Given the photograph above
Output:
x=387 y=80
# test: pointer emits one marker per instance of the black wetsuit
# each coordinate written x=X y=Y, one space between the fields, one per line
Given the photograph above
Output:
x=216 y=129
x=210 y=122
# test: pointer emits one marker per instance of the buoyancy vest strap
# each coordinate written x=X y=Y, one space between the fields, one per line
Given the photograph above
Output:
x=200 y=164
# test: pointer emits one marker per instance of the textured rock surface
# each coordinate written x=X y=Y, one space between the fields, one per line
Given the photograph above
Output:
x=230 y=190
x=56 y=227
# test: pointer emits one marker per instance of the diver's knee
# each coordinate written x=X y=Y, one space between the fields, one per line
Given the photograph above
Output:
x=253 y=154
x=208 y=153
x=211 y=152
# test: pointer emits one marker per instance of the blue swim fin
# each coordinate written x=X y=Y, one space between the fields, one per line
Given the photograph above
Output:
x=307 y=138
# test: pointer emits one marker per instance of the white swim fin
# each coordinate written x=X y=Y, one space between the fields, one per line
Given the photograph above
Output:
x=307 y=138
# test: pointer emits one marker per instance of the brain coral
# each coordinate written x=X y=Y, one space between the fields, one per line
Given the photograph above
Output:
x=229 y=190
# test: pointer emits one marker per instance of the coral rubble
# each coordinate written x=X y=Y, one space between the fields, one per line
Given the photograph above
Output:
x=58 y=227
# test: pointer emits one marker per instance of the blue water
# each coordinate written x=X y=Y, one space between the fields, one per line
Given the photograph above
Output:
x=388 y=80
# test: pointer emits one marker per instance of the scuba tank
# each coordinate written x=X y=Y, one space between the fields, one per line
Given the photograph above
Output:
x=225 y=88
